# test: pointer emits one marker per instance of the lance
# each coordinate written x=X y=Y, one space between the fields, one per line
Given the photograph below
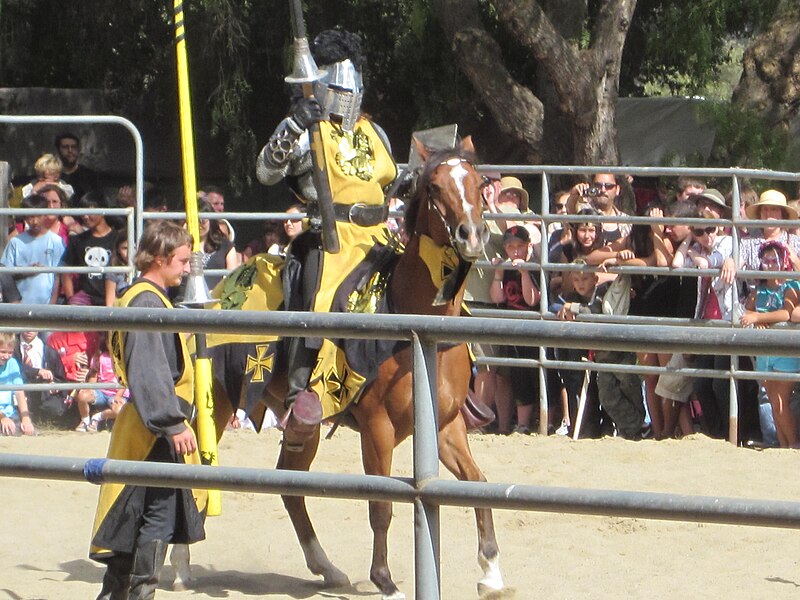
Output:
x=196 y=287
x=305 y=73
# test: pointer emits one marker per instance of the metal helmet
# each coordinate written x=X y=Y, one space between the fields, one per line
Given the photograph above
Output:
x=339 y=92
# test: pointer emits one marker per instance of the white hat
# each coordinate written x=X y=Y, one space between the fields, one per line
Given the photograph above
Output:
x=771 y=198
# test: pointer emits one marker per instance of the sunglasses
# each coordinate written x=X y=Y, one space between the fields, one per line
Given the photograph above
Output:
x=604 y=185
x=700 y=232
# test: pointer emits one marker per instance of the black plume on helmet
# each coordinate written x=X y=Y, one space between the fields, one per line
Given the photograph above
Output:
x=335 y=45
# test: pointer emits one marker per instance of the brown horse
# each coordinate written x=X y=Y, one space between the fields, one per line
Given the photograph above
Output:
x=444 y=216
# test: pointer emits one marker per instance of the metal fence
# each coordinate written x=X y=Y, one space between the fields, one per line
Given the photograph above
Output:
x=425 y=490
x=544 y=268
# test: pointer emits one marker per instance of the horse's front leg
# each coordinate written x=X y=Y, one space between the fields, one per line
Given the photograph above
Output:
x=377 y=446
x=456 y=456
x=179 y=558
x=316 y=559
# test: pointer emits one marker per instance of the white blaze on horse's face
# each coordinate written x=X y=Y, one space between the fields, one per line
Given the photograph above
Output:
x=468 y=233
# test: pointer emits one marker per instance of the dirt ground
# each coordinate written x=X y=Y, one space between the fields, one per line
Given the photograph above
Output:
x=251 y=551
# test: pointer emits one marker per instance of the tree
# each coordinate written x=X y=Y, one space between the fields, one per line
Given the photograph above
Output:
x=755 y=128
x=584 y=77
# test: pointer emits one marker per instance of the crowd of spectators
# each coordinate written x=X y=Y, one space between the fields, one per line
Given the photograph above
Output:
x=588 y=396
x=589 y=401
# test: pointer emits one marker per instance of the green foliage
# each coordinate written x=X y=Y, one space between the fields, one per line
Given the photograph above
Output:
x=681 y=45
x=744 y=134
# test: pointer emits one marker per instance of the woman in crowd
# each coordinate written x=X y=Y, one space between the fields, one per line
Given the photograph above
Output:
x=220 y=252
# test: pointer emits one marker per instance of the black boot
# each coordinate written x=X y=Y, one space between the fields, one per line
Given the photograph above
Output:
x=147 y=563
x=117 y=578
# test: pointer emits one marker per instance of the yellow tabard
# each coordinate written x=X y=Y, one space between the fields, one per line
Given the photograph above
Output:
x=130 y=439
x=358 y=163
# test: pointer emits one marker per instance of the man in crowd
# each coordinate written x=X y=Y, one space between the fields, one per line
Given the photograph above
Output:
x=80 y=177
x=600 y=194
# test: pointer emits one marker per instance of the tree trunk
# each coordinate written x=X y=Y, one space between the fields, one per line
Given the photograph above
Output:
x=585 y=82
x=515 y=109
x=770 y=83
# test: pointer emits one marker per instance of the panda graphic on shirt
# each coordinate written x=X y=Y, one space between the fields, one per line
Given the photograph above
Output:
x=96 y=256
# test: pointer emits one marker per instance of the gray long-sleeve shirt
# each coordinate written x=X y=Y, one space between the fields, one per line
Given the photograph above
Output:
x=154 y=364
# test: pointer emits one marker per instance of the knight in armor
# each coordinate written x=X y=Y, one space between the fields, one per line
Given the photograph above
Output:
x=359 y=165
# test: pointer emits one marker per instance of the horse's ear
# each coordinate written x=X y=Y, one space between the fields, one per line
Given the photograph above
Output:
x=467 y=145
x=423 y=151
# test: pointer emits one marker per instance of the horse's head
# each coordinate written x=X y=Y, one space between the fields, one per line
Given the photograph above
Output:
x=450 y=188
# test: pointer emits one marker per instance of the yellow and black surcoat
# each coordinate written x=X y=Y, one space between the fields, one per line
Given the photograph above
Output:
x=359 y=166
x=159 y=406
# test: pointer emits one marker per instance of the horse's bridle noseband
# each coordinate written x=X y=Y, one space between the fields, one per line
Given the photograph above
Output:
x=451 y=162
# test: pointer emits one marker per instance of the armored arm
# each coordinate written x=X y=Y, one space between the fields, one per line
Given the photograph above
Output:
x=289 y=143
x=275 y=159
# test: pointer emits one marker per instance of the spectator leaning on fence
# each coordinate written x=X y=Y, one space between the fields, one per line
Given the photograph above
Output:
x=707 y=248
x=774 y=301
x=771 y=206
x=601 y=194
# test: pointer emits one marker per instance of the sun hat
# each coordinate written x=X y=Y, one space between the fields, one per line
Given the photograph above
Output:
x=771 y=198
x=714 y=196
x=512 y=184
x=516 y=232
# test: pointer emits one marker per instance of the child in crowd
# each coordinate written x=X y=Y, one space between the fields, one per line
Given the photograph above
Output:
x=48 y=168
x=620 y=393
x=14 y=413
x=35 y=247
x=586 y=297
x=92 y=248
x=109 y=401
x=515 y=288
x=42 y=364
x=116 y=283
x=774 y=301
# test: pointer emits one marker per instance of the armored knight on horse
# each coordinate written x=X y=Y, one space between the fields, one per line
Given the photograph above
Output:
x=357 y=160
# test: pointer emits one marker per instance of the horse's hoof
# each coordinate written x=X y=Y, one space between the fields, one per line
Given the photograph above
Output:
x=486 y=592
x=179 y=585
x=336 y=579
x=398 y=595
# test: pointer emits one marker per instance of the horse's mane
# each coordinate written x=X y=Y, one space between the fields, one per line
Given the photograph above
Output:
x=423 y=179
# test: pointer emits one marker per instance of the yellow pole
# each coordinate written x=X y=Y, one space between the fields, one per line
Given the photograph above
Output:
x=206 y=429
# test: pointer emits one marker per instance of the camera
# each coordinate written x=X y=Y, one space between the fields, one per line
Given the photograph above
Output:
x=592 y=191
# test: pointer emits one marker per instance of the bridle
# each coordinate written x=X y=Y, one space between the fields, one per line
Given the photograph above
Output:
x=432 y=194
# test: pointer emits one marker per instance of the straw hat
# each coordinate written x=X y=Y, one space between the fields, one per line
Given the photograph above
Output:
x=512 y=184
x=771 y=198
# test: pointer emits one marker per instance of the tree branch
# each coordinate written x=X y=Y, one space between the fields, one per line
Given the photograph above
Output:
x=517 y=111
